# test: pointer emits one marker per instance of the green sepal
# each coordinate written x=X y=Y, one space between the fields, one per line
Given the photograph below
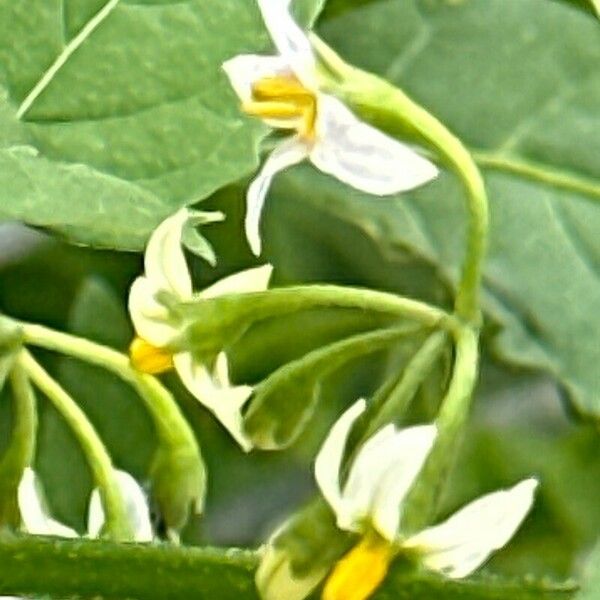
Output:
x=178 y=479
x=285 y=401
x=194 y=241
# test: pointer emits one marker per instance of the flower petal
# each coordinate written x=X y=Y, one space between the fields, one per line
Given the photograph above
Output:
x=34 y=514
x=164 y=260
x=289 y=39
x=244 y=282
x=288 y=153
x=462 y=543
x=136 y=506
x=330 y=456
x=223 y=400
x=150 y=318
x=411 y=448
x=363 y=156
x=245 y=69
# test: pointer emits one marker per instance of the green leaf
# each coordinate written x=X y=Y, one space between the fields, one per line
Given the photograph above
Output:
x=519 y=83
x=135 y=119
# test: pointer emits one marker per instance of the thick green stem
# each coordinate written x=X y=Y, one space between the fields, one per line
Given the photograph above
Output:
x=391 y=109
x=35 y=566
x=421 y=504
x=117 y=523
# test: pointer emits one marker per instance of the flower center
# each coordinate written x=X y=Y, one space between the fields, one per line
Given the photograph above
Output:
x=147 y=358
x=361 y=571
x=285 y=102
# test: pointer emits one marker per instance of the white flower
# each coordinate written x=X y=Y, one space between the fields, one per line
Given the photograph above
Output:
x=37 y=521
x=283 y=90
x=370 y=503
x=166 y=271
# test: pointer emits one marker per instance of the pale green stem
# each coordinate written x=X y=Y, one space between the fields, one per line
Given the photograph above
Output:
x=396 y=402
x=421 y=502
x=21 y=449
x=117 y=524
x=172 y=428
x=383 y=104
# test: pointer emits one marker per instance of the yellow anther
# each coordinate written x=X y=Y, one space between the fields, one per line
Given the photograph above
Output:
x=286 y=100
x=147 y=358
x=361 y=571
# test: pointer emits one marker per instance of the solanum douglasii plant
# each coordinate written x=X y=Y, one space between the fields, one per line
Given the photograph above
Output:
x=266 y=389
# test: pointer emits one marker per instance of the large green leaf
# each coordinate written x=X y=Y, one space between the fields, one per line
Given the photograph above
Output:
x=518 y=81
x=139 y=119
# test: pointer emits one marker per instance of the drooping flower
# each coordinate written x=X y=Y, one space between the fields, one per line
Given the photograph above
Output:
x=370 y=504
x=167 y=272
x=283 y=90
x=36 y=519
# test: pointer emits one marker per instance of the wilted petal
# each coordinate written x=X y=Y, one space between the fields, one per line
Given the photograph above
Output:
x=136 y=506
x=150 y=318
x=329 y=459
x=363 y=156
x=288 y=153
x=223 y=400
x=34 y=514
x=411 y=448
x=249 y=280
x=164 y=260
x=246 y=69
x=289 y=39
x=461 y=544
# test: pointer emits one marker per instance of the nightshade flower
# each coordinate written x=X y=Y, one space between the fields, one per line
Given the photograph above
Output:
x=166 y=271
x=369 y=503
x=283 y=90
x=37 y=521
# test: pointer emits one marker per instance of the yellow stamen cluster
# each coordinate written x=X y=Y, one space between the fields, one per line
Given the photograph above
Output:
x=286 y=100
x=361 y=571
x=147 y=358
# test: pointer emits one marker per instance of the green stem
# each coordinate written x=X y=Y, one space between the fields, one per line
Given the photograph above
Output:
x=20 y=452
x=421 y=503
x=171 y=426
x=117 y=522
x=388 y=107
x=395 y=403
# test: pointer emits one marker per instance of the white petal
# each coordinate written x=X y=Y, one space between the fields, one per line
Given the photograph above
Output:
x=289 y=39
x=363 y=156
x=164 y=260
x=34 y=514
x=288 y=153
x=411 y=448
x=462 y=543
x=330 y=456
x=225 y=402
x=136 y=506
x=150 y=318
x=246 y=69
x=249 y=280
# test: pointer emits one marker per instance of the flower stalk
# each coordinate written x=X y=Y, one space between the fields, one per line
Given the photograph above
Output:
x=117 y=523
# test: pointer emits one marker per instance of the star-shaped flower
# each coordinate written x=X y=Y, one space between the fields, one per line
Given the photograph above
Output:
x=167 y=272
x=283 y=90
x=370 y=503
